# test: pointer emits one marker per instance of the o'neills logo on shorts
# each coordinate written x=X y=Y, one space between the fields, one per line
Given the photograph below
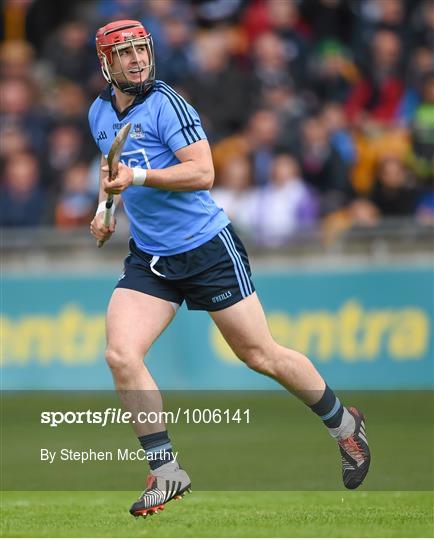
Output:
x=221 y=297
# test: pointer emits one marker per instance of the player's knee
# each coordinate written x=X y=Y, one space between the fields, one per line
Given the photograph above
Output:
x=258 y=359
x=120 y=362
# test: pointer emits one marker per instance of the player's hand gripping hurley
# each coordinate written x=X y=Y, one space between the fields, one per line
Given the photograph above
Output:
x=113 y=162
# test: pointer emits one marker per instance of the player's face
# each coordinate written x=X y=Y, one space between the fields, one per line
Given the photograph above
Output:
x=131 y=64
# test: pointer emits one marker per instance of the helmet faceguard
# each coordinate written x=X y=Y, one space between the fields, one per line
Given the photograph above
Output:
x=117 y=36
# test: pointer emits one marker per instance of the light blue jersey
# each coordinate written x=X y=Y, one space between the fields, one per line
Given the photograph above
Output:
x=162 y=222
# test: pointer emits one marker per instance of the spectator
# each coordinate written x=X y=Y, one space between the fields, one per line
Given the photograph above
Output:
x=287 y=23
x=282 y=207
x=19 y=109
x=378 y=95
x=172 y=28
x=391 y=16
x=359 y=213
x=220 y=92
x=335 y=123
x=269 y=60
x=423 y=131
x=155 y=12
x=322 y=166
x=290 y=108
x=23 y=202
x=283 y=20
x=232 y=185
x=217 y=11
x=371 y=148
x=393 y=194
x=425 y=203
x=424 y=25
x=70 y=54
x=16 y=58
x=421 y=65
x=332 y=73
x=13 y=141
x=329 y=19
x=68 y=103
x=373 y=16
x=258 y=142
x=262 y=133
x=254 y=20
x=65 y=147
x=44 y=16
x=76 y=202
x=174 y=60
x=116 y=10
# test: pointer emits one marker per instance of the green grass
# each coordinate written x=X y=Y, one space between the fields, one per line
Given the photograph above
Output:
x=219 y=514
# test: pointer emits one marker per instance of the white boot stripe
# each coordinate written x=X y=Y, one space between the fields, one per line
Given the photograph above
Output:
x=164 y=489
x=363 y=437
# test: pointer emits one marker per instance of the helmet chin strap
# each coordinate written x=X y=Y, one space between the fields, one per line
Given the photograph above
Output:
x=129 y=87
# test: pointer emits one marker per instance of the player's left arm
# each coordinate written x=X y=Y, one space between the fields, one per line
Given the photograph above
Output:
x=194 y=172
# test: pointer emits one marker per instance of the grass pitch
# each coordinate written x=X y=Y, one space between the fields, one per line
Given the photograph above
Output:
x=219 y=514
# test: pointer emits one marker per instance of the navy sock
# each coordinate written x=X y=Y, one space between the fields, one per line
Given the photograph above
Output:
x=158 y=449
x=329 y=409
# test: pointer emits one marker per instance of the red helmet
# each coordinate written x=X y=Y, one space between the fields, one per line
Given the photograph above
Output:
x=118 y=35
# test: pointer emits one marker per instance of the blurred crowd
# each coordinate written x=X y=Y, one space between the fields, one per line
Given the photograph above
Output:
x=320 y=113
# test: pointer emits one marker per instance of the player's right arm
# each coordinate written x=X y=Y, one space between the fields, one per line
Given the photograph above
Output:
x=97 y=227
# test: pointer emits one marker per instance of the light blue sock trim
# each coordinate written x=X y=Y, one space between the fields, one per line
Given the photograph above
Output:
x=333 y=411
x=160 y=448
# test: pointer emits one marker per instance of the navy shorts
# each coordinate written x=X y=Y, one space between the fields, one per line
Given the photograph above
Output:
x=211 y=277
